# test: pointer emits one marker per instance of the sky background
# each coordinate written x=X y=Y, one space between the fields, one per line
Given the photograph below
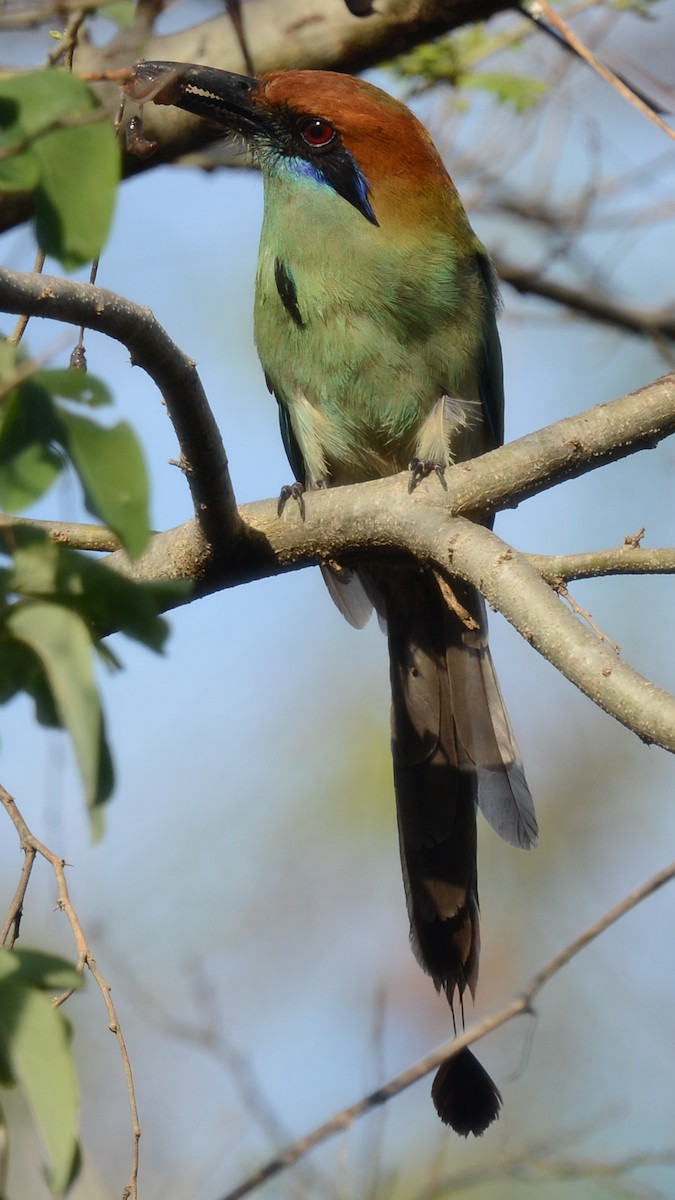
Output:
x=246 y=901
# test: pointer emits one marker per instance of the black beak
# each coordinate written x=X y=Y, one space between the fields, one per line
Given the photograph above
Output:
x=219 y=95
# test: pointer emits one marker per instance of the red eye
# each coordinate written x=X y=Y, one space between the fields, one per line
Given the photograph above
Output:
x=317 y=132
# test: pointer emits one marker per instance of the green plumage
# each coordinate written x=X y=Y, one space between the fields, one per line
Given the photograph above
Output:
x=375 y=326
x=388 y=328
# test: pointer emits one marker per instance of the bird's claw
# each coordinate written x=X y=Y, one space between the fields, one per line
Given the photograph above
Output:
x=421 y=468
x=294 y=491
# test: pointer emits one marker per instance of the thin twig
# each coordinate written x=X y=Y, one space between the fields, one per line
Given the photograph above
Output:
x=537 y=1167
x=68 y=42
x=11 y=928
x=591 y=564
x=563 y=591
x=522 y=1003
x=602 y=69
x=207 y=1034
x=655 y=323
x=22 y=323
x=85 y=958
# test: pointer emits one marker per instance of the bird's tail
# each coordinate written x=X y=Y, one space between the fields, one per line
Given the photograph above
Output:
x=453 y=748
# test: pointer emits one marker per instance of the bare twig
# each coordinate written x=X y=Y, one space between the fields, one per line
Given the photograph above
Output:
x=602 y=69
x=533 y=1166
x=206 y=1033
x=597 y=307
x=12 y=926
x=68 y=42
x=625 y=560
x=32 y=847
x=563 y=591
x=522 y=1003
x=22 y=323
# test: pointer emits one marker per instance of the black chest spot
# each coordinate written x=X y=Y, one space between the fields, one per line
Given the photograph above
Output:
x=287 y=292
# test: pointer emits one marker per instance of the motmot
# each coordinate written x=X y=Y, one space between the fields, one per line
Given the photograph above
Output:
x=375 y=324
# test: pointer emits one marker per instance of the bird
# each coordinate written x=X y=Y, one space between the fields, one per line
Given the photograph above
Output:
x=375 y=324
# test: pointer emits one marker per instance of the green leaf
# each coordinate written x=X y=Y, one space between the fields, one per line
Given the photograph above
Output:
x=35 y=1040
x=21 y=671
x=76 y=156
x=38 y=969
x=520 y=91
x=75 y=385
x=19 y=170
x=9 y=357
x=122 y=12
x=29 y=464
x=60 y=640
x=112 y=470
x=104 y=598
x=109 y=462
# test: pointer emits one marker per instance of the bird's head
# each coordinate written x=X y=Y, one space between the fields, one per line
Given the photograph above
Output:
x=340 y=131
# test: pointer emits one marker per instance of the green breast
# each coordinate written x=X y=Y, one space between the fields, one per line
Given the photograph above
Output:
x=359 y=334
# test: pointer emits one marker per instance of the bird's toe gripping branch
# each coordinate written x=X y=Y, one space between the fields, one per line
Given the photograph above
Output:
x=290 y=491
x=421 y=468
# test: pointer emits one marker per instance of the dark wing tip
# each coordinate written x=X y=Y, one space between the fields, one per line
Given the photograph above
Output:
x=465 y=1096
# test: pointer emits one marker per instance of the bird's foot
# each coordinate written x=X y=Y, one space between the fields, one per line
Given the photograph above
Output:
x=421 y=468
x=294 y=491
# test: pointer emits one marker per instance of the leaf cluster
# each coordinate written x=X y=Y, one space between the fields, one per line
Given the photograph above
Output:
x=57 y=603
x=57 y=143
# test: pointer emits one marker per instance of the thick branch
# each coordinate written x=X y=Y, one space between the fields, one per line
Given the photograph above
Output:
x=380 y=517
x=476 y=488
x=513 y=586
x=203 y=457
x=321 y=34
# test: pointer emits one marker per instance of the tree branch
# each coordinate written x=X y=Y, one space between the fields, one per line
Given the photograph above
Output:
x=77 y=535
x=32 y=847
x=203 y=458
x=522 y=1003
x=380 y=516
x=593 y=564
x=658 y=323
x=225 y=547
x=318 y=34
x=512 y=586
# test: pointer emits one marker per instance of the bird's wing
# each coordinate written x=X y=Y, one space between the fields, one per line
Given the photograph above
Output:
x=491 y=375
x=291 y=444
